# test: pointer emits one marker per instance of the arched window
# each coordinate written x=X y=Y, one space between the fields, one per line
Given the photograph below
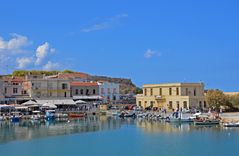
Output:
x=81 y=92
x=93 y=91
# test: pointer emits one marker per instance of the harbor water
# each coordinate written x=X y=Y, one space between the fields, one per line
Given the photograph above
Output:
x=105 y=136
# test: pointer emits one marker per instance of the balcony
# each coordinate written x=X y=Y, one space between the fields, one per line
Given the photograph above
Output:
x=160 y=98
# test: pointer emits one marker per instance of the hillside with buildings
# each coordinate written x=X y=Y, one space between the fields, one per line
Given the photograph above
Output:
x=25 y=85
x=126 y=85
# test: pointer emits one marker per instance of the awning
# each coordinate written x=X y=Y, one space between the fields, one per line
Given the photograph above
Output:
x=57 y=102
x=28 y=103
x=80 y=102
x=21 y=107
x=49 y=105
x=95 y=97
x=6 y=107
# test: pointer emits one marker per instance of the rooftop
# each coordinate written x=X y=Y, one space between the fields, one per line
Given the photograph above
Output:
x=84 y=84
x=173 y=84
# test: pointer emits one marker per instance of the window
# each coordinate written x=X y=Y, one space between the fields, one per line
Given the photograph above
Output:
x=170 y=105
x=81 y=91
x=185 y=105
x=186 y=91
x=205 y=104
x=76 y=91
x=114 y=91
x=151 y=91
x=177 y=91
x=65 y=94
x=170 y=91
x=151 y=103
x=94 y=91
x=145 y=92
x=194 y=92
x=140 y=103
x=64 y=86
x=87 y=92
x=5 y=90
x=200 y=104
x=14 y=90
x=160 y=91
x=114 y=97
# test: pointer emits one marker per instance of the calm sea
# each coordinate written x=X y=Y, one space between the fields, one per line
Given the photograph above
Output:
x=108 y=136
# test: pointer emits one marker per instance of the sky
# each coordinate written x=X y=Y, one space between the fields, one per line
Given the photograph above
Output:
x=153 y=41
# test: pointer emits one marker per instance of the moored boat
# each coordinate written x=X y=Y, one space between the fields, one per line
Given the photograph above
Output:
x=231 y=124
x=207 y=122
x=179 y=120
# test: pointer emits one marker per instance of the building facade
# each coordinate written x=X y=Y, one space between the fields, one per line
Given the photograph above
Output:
x=40 y=86
x=172 y=96
x=84 y=88
x=109 y=91
x=13 y=87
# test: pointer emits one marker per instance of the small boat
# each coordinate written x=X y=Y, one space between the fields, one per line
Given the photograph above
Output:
x=50 y=115
x=127 y=115
x=15 y=117
x=207 y=122
x=36 y=115
x=231 y=124
x=75 y=115
x=179 y=120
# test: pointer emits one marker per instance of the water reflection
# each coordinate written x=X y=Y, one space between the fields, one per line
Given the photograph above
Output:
x=28 y=129
x=164 y=127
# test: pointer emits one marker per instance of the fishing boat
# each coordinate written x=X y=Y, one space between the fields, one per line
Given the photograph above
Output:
x=206 y=122
x=231 y=124
x=127 y=114
x=50 y=115
x=179 y=120
x=36 y=115
x=15 y=116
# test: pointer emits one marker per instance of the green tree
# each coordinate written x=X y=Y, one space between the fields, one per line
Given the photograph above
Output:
x=216 y=98
x=138 y=90
x=67 y=71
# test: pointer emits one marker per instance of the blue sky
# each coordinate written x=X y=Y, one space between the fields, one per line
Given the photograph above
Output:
x=151 y=41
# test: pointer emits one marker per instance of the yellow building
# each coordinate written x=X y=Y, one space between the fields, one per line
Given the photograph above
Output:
x=172 y=96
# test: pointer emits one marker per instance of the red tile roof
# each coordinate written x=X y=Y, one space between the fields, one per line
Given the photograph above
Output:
x=14 y=79
x=84 y=84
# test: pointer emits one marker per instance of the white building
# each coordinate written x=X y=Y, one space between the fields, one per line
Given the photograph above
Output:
x=109 y=91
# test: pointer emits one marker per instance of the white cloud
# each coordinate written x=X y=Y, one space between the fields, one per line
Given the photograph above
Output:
x=151 y=53
x=51 y=66
x=15 y=43
x=105 y=24
x=23 y=62
x=42 y=51
x=96 y=27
